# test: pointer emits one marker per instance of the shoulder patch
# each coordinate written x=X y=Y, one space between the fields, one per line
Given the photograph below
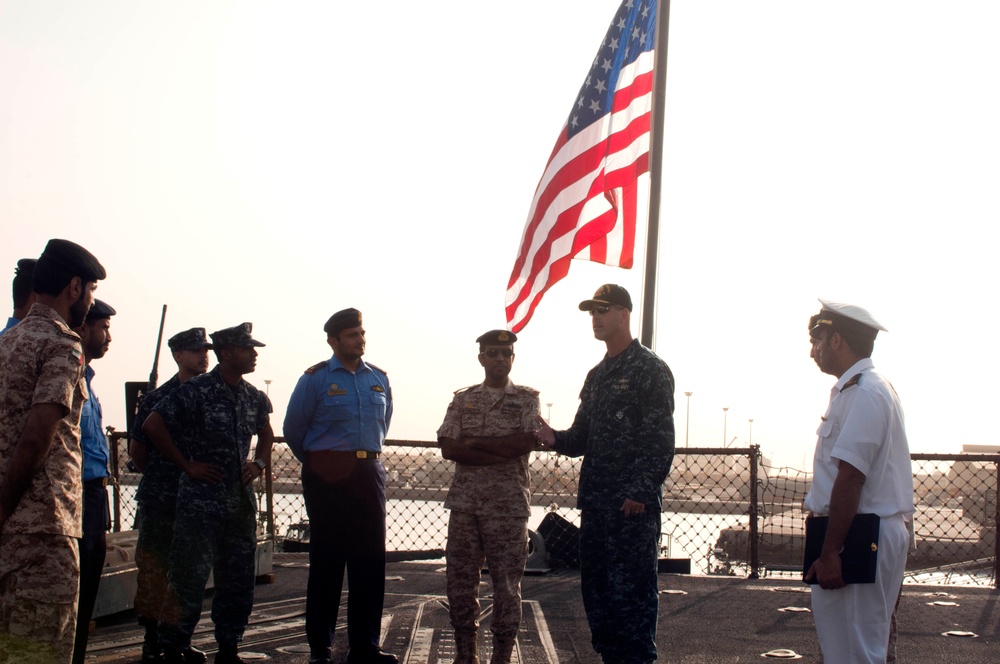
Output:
x=377 y=368
x=855 y=380
x=316 y=367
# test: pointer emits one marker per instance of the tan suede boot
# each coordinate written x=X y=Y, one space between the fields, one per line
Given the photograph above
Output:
x=466 y=647
x=503 y=646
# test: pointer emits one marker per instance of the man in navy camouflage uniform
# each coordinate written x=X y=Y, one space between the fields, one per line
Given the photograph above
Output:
x=157 y=495
x=213 y=417
x=624 y=429
x=489 y=431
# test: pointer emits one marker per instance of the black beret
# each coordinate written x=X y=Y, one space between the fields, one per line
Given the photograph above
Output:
x=100 y=310
x=25 y=267
x=235 y=336
x=69 y=257
x=342 y=320
x=194 y=339
x=497 y=338
x=607 y=295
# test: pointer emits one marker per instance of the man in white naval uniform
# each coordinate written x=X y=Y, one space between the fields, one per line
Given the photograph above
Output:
x=861 y=466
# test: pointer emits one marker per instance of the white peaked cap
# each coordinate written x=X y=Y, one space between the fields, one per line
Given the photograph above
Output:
x=853 y=312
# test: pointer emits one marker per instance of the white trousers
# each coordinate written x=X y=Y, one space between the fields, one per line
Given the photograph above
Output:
x=853 y=622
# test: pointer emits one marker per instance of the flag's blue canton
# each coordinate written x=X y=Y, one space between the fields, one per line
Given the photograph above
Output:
x=632 y=32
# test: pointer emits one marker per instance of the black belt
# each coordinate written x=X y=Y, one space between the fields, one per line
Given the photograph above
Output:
x=98 y=481
x=340 y=454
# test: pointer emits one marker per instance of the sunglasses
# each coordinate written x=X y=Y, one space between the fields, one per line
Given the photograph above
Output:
x=493 y=352
x=600 y=310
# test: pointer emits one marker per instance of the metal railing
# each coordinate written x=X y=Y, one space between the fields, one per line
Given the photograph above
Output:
x=724 y=509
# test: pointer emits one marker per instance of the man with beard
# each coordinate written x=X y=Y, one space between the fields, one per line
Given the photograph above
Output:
x=489 y=431
x=861 y=468
x=95 y=338
x=42 y=390
x=157 y=496
x=21 y=289
x=336 y=423
x=624 y=429
x=212 y=418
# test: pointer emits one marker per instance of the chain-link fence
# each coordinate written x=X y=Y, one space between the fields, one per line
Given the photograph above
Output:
x=724 y=509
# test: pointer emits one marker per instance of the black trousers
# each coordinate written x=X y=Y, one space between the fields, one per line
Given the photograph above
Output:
x=345 y=501
x=93 y=547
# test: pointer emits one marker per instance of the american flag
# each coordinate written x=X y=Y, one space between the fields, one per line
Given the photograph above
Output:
x=585 y=204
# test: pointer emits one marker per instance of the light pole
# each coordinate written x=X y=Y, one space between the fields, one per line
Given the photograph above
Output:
x=548 y=417
x=725 y=417
x=751 y=431
x=687 y=418
x=267 y=387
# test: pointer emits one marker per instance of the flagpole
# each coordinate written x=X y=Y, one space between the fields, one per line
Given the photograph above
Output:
x=648 y=316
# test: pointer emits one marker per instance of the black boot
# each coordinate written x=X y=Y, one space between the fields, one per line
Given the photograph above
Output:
x=228 y=655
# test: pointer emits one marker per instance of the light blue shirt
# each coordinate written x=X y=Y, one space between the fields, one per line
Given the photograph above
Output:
x=335 y=409
x=92 y=437
x=11 y=322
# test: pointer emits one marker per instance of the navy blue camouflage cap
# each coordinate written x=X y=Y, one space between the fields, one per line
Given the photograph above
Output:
x=100 y=310
x=342 y=320
x=607 y=295
x=235 y=336
x=194 y=339
x=497 y=338
x=63 y=256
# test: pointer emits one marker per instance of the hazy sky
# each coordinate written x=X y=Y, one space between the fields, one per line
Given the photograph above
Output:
x=277 y=162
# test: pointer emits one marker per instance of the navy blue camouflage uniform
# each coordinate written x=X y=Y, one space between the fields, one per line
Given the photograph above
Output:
x=157 y=498
x=215 y=526
x=624 y=429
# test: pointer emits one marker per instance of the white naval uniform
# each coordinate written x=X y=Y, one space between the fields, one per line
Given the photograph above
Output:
x=864 y=427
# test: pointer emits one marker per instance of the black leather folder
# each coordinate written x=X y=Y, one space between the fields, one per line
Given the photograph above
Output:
x=858 y=560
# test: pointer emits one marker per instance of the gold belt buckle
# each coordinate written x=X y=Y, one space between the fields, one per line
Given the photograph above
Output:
x=361 y=454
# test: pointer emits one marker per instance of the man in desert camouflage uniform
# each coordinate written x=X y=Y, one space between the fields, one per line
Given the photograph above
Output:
x=157 y=496
x=213 y=418
x=489 y=432
x=42 y=390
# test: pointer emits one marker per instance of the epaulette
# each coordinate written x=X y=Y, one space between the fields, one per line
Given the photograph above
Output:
x=465 y=389
x=377 y=368
x=855 y=380
x=527 y=390
x=316 y=367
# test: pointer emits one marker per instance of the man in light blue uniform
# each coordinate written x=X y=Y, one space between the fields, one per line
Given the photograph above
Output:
x=24 y=294
x=336 y=422
x=95 y=337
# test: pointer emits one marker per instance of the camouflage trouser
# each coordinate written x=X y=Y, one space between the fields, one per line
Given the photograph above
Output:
x=224 y=546
x=39 y=582
x=502 y=541
x=152 y=550
x=618 y=579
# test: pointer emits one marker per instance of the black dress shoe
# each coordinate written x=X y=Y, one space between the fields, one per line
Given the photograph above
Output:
x=376 y=656
x=228 y=655
x=192 y=655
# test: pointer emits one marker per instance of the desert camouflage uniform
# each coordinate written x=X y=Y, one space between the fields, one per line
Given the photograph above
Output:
x=41 y=362
x=624 y=429
x=489 y=507
x=215 y=527
x=157 y=498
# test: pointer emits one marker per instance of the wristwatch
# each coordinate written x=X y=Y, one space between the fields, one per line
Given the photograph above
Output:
x=260 y=463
